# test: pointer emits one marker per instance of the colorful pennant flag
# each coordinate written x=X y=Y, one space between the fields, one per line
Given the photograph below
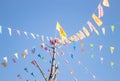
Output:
x=71 y=71
x=33 y=62
x=103 y=31
x=112 y=49
x=91 y=26
x=4 y=64
x=26 y=70
x=91 y=45
x=112 y=28
x=25 y=53
x=42 y=37
x=26 y=34
x=33 y=35
x=100 y=11
x=112 y=64
x=16 y=55
x=86 y=32
x=96 y=31
x=81 y=35
x=33 y=50
x=18 y=32
x=106 y=3
x=97 y=20
x=19 y=76
x=5 y=59
x=14 y=61
x=100 y=47
x=72 y=56
x=101 y=59
x=61 y=31
x=10 y=31
x=39 y=55
x=94 y=77
x=0 y=29
x=32 y=74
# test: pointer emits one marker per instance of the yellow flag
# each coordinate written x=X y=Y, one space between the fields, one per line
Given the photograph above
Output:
x=80 y=35
x=112 y=49
x=106 y=3
x=97 y=20
x=86 y=32
x=61 y=31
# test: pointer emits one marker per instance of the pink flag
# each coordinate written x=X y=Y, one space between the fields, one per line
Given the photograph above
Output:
x=10 y=31
x=100 y=11
x=91 y=26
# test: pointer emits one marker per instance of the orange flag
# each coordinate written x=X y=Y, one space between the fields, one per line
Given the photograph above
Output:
x=97 y=20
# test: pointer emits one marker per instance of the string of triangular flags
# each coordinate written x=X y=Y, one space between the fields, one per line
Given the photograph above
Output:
x=82 y=34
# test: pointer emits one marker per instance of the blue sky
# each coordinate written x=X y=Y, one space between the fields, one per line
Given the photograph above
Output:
x=40 y=17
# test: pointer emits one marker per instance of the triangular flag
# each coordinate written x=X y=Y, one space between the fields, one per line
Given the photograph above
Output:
x=96 y=31
x=26 y=34
x=97 y=20
x=101 y=59
x=42 y=37
x=14 y=61
x=5 y=59
x=10 y=31
x=81 y=35
x=106 y=3
x=100 y=47
x=66 y=62
x=112 y=49
x=26 y=70
x=100 y=11
x=94 y=77
x=4 y=64
x=103 y=31
x=32 y=74
x=112 y=28
x=0 y=29
x=72 y=56
x=91 y=26
x=18 y=32
x=71 y=71
x=86 y=32
x=91 y=45
x=39 y=55
x=112 y=64
x=33 y=62
x=16 y=55
x=19 y=76
x=33 y=50
x=62 y=33
x=33 y=35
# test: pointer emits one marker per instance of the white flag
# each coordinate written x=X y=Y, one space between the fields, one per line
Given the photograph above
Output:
x=0 y=29
x=33 y=35
x=10 y=31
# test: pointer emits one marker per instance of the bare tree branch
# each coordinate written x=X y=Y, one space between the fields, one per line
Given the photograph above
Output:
x=41 y=71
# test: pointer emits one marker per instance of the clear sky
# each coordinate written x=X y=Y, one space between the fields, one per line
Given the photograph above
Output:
x=40 y=17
